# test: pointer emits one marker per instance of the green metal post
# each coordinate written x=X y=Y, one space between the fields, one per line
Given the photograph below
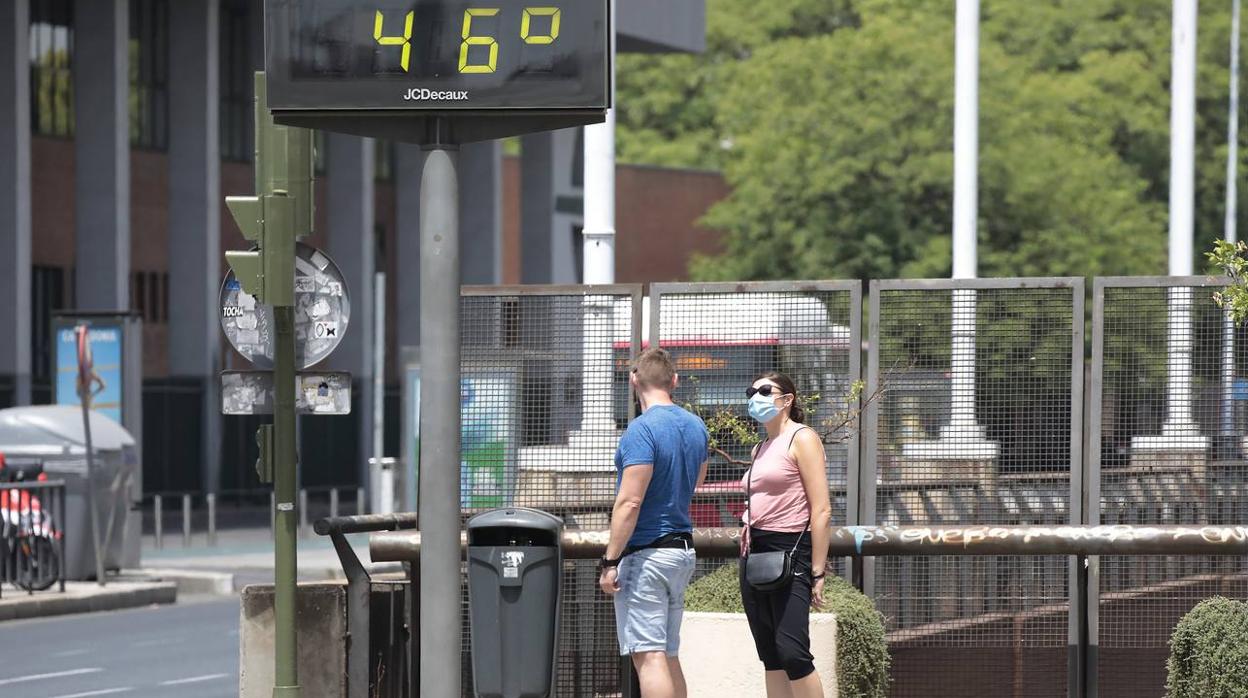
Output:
x=280 y=213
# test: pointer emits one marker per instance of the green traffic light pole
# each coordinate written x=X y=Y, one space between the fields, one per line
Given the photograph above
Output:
x=280 y=213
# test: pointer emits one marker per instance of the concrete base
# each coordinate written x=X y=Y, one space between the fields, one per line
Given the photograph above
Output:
x=85 y=597
x=1187 y=452
x=194 y=581
x=321 y=618
x=718 y=657
x=952 y=449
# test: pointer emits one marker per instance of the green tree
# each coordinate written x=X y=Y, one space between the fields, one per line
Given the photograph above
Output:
x=833 y=122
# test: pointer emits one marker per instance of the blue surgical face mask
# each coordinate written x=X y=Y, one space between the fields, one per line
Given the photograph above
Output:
x=763 y=408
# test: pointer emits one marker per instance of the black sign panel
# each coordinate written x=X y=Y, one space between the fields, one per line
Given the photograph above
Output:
x=438 y=56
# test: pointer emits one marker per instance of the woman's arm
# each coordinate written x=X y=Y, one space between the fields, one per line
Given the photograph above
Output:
x=813 y=468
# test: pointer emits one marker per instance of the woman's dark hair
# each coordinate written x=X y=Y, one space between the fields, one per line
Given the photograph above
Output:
x=796 y=413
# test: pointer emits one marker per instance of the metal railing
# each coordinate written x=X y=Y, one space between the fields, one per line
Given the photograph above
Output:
x=32 y=535
x=1080 y=544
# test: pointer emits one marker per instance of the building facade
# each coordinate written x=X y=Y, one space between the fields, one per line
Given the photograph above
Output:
x=117 y=148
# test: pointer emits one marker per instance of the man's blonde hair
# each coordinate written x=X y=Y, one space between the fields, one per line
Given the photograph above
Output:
x=654 y=369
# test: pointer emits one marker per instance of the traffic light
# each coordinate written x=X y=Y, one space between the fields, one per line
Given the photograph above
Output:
x=279 y=213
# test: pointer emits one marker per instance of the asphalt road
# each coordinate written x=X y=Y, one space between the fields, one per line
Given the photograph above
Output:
x=187 y=650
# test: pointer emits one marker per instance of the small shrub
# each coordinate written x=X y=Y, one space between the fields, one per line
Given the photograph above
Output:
x=862 y=662
x=1209 y=651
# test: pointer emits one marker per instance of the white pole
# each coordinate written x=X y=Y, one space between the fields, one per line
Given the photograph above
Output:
x=963 y=430
x=383 y=505
x=966 y=141
x=598 y=257
x=1182 y=136
x=598 y=234
x=1182 y=188
x=1232 y=154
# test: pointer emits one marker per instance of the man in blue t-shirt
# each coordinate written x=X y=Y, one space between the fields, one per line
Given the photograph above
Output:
x=661 y=459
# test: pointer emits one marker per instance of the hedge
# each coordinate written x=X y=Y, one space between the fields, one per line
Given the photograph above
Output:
x=1209 y=651
x=862 y=662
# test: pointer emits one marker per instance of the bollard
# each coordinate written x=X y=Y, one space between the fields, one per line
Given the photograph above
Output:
x=333 y=502
x=273 y=515
x=303 y=513
x=212 y=519
x=359 y=501
x=186 y=521
x=158 y=522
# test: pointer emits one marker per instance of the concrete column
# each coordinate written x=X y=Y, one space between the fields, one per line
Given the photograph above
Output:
x=550 y=208
x=195 y=212
x=480 y=212
x=351 y=245
x=537 y=207
x=409 y=161
x=15 y=195
x=102 y=152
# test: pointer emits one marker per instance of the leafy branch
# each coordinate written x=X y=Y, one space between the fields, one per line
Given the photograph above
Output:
x=837 y=427
x=1231 y=258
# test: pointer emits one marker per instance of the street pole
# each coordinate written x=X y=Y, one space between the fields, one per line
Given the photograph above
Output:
x=598 y=235
x=1230 y=234
x=280 y=213
x=439 y=425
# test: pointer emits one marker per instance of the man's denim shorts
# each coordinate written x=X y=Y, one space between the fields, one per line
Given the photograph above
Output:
x=651 y=599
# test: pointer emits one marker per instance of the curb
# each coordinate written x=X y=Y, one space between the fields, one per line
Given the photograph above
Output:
x=85 y=597
x=195 y=581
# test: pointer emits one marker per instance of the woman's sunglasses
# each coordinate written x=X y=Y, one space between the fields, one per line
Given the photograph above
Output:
x=766 y=391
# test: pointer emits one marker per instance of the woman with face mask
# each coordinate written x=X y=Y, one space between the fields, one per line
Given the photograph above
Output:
x=787 y=509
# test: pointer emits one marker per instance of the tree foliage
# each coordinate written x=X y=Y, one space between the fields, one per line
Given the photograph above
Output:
x=833 y=122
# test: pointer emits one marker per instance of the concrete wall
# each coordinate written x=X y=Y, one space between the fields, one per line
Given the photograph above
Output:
x=718 y=657
x=321 y=614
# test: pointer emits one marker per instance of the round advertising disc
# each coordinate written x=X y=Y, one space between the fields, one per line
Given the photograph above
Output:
x=322 y=310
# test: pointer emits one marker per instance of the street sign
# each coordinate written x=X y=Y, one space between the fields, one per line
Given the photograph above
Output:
x=251 y=392
x=383 y=68
x=322 y=311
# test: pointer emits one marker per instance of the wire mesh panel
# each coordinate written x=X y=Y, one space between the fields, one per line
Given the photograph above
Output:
x=723 y=335
x=544 y=398
x=1172 y=393
x=971 y=422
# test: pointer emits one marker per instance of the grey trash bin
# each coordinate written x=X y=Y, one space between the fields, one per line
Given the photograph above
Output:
x=514 y=565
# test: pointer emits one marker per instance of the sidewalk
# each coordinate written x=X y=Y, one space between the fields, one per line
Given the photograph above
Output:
x=241 y=557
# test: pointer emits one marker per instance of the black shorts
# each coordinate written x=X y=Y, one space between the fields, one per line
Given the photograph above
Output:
x=780 y=619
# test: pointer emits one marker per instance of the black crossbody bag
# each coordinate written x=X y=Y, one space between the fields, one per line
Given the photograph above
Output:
x=771 y=570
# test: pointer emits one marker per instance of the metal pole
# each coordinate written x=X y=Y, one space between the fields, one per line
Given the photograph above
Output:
x=359 y=501
x=85 y=397
x=1230 y=234
x=303 y=513
x=1182 y=135
x=966 y=141
x=156 y=503
x=212 y=519
x=333 y=503
x=379 y=379
x=598 y=251
x=186 y=521
x=439 y=444
x=286 y=547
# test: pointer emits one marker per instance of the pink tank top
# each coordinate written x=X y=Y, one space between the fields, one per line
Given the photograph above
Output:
x=778 y=501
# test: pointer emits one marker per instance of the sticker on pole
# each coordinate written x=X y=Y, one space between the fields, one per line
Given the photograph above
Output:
x=322 y=310
x=251 y=392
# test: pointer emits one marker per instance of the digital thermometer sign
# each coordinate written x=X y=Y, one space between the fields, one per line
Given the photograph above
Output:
x=435 y=56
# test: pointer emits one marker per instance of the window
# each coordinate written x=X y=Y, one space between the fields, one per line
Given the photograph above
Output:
x=149 y=296
x=149 y=74
x=237 y=83
x=51 y=71
x=47 y=295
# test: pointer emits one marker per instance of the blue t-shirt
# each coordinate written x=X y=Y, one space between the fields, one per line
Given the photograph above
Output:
x=674 y=441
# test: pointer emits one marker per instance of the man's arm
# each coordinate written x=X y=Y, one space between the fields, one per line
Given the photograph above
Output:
x=632 y=491
x=702 y=472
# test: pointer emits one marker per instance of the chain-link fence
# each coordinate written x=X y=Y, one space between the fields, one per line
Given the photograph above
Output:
x=976 y=385
x=974 y=413
x=1168 y=377
x=545 y=394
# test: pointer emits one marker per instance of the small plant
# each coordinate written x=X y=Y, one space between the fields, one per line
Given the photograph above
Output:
x=1232 y=259
x=1209 y=651
x=862 y=660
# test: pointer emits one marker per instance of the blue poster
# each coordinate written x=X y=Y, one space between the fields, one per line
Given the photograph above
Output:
x=106 y=350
